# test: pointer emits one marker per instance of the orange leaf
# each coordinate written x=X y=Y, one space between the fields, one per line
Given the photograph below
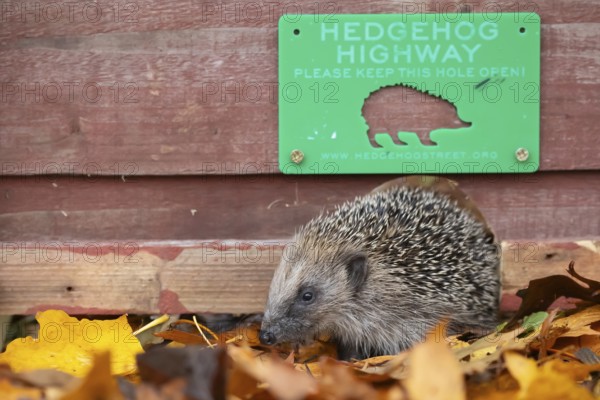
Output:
x=99 y=384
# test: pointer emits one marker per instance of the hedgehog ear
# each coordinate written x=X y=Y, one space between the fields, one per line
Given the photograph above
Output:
x=356 y=265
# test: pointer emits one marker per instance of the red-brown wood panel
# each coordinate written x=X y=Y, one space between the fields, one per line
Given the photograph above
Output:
x=111 y=88
x=548 y=205
x=231 y=276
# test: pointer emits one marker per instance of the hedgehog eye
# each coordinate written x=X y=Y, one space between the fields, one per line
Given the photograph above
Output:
x=308 y=296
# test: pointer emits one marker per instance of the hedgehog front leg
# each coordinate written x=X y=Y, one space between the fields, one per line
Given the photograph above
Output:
x=347 y=353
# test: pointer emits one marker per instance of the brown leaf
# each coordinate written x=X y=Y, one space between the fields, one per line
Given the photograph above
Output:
x=339 y=382
x=241 y=384
x=577 y=330
x=283 y=380
x=591 y=342
x=389 y=366
x=545 y=338
x=181 y=337
x=541 y=293
x=172 y=390
x=571 y=344
x=313 y=369
x=503 y=387
x=202 y=368
x=594 y=286
x=184 y=331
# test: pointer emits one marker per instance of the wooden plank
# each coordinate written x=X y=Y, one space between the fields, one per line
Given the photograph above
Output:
x=30 y=18
x=77 y=277
x=190 y=88
x=545 y=206
x=177 y=277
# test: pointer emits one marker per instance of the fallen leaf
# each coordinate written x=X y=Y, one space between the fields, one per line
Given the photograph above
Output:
x=434 y=373
x=181 y=337
x=69 y=345
x=541 y=293
x=571 y=344
x=503 y=387
x=546 y=339
x=10 y=392
x=591 y=342
x=99 y=384
x=172 y=390
x=488 y=349
x=534 y=320
x=313 y=369
x=203 y=369
x=339 y=382
x=392 y=366
x=373 y=361
x=578 y=323
x=573 y=369
x=240 y=384
x=282 y=379
x=543 y=382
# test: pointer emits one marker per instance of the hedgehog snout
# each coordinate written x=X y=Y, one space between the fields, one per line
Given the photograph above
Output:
x=267 y=337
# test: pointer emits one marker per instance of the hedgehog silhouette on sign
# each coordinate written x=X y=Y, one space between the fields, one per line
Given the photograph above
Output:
x=393 y=109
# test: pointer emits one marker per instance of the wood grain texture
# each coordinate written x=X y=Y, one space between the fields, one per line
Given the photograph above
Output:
x=533 y=207
x=109 y=88
x=534 y=260
x=230 y=277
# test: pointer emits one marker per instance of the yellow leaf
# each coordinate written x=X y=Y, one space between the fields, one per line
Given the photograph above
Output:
x=522 y=369
x=574 y=369
x=488 y=349
x=68 y=344
x=544 y=382
x=435 y=372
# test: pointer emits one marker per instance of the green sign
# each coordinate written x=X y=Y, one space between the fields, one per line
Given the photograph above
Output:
x=409 y=93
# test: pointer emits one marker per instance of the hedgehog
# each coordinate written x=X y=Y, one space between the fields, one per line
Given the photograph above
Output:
x=378 y=272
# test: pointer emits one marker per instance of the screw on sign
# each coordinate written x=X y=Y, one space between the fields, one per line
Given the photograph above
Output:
x=522 y=154
x=297 y=156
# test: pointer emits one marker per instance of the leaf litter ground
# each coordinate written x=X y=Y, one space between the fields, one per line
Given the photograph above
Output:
x=538 y=354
